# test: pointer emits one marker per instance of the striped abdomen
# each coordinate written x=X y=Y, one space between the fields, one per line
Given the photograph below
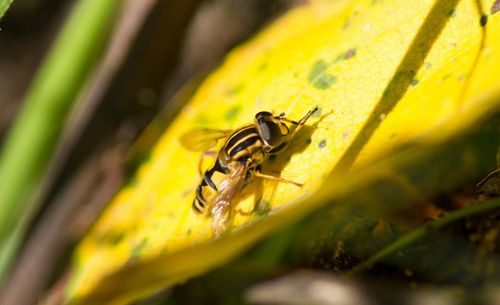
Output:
x=206 y=184
x=199 y=201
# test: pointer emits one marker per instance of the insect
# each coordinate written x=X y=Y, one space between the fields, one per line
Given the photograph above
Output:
x=238 y=160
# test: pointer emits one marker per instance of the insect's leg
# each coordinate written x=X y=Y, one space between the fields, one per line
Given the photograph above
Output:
x=208 y=153
x=277 y=178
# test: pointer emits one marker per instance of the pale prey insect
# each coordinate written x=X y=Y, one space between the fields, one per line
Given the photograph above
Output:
x=238 y=160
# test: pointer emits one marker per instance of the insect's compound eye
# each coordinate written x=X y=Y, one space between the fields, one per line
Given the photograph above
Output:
x=269 y=130
x=263 y=115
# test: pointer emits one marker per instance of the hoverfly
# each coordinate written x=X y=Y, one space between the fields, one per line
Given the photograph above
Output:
x=238 y=160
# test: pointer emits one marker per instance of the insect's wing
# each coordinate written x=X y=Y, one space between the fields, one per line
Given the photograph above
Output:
x=228 y=189
x=231 y=184
x=203 y=139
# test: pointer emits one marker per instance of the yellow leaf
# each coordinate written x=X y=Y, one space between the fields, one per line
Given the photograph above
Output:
x=384 y=73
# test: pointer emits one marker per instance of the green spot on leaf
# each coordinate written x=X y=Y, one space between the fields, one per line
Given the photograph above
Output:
x=346 y=55
x=263 y=208
x=318 y=76
x=232 y=112
x=111 y=238
x=262 y=66
x=322 y=144
x=234 y=90
x=203 y=120
x=138 y=248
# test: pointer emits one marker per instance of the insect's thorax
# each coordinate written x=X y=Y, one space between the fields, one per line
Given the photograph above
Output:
x=243 y=144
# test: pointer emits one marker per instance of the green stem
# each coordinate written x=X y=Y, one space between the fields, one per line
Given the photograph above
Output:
x=414 y=236
x=33 y=137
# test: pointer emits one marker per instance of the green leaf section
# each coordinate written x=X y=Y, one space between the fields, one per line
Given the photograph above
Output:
x=31 y=141
x=4 y=6
x=388 y=184
x=390 y=136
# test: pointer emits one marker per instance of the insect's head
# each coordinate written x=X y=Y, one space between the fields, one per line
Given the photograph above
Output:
x=272 y=128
